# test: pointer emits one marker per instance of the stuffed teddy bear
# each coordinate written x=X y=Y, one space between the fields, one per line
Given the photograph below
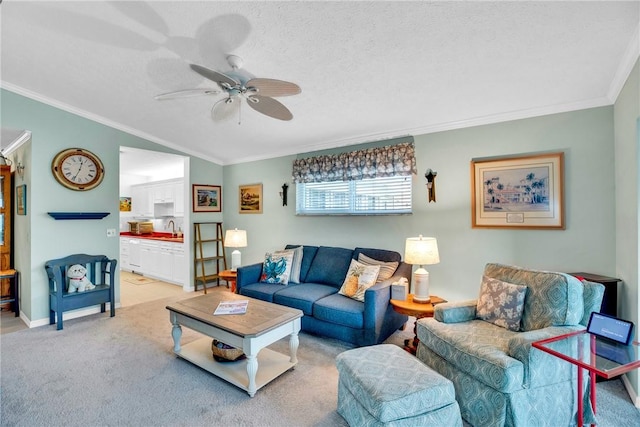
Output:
x=78 y=281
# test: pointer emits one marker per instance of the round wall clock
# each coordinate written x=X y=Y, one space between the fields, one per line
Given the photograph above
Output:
x=77 y=169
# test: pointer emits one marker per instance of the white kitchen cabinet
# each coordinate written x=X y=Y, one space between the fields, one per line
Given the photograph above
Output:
x=142 y=200
x=124 y=254
x=163 y=192
x=165 y=262
x=178 y=198
x=180 y=267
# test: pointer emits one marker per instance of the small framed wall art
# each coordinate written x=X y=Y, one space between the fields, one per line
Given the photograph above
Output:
x=518 y=191
x=21 y=199
x=251 y=198
x=125 y=204
x=207 y=198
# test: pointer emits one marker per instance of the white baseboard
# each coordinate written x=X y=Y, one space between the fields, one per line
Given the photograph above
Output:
x=67 y=315
x=635 y=399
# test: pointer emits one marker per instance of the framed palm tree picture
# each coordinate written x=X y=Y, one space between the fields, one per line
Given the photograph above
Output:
x=518 y=191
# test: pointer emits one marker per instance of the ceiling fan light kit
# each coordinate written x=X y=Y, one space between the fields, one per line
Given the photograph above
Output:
x=239 y=84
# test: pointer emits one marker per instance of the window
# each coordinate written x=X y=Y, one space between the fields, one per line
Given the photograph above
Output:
x=374 y=196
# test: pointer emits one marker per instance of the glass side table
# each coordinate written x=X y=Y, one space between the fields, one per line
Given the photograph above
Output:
x=579 y=348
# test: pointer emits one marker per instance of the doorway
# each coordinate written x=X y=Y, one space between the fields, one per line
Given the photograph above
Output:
x=153 y=188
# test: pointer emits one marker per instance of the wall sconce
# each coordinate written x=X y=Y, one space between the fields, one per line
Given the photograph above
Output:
x=20 y=169
x=431 y=184
x=283 y=194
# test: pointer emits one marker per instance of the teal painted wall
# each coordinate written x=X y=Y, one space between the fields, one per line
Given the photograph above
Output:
x=587 y=244
x=53 y=130
x=627 y=158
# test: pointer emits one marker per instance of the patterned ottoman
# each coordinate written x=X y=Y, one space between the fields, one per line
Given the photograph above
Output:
x=382 y=385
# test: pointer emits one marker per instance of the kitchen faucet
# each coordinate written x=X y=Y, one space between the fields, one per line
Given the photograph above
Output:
x=173 y=227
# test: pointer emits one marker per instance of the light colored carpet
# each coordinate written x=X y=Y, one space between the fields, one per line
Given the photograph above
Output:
x=102 y=371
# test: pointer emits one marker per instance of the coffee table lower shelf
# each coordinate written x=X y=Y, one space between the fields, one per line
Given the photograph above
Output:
x=272 y=364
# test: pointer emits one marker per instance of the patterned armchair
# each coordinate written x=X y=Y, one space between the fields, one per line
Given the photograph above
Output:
x=499 y=378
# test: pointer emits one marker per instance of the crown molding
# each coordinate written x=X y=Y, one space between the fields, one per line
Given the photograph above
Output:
x=627 y=63
x=102 y=120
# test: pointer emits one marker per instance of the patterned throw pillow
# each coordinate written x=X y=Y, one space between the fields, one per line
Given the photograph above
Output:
x=386 y=268
x=501 y=303
x=277 y=267
x=360 y=277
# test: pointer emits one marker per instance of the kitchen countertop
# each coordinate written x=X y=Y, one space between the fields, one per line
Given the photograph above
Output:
x=164 y=237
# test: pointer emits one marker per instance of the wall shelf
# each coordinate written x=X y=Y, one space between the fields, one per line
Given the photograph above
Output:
x=77 y=215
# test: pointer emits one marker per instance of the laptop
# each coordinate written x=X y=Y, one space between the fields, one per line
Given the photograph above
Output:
x=613 y=336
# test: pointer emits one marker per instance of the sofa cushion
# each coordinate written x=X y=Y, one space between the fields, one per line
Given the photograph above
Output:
x=329 y=266
x=261 y=291
x=340 y=310
x=553 y=299
x=386 y=268
x=308 y=253
x=478 y=348
x=302 y=296
x=501 y=303
x=277 y=267
x=360 y=277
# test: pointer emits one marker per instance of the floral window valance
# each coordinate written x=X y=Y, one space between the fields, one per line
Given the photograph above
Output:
x=391 y=160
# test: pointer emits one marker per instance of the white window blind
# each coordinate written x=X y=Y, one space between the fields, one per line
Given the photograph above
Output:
x=376 y=196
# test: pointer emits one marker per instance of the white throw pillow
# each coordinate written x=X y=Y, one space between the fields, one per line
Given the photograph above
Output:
x=360 y=277
x=277 y=267
x=386 y=268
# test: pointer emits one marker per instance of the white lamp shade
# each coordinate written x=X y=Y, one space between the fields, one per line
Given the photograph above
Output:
x=235 y=238
x=421 y=251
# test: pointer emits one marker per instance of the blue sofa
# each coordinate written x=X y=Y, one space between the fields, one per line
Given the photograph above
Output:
x=326 y=312
x=499 y=378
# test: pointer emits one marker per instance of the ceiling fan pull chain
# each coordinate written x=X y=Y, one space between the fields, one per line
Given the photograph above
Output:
x=239 y=113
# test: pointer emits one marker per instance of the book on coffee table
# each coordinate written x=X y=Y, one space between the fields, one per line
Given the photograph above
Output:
x=232 y=307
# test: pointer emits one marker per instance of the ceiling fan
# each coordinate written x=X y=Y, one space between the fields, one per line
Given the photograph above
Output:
x=237 y=85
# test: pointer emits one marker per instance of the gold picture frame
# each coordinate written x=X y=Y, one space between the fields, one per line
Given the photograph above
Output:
x=523 y=191
x=21 y=199
x=250 y=199
x=206 y=198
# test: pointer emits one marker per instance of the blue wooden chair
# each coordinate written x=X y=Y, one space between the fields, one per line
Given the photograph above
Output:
x=98 y=267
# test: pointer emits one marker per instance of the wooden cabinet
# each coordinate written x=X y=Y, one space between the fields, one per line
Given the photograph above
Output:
x=5 y=229
x=610 y=299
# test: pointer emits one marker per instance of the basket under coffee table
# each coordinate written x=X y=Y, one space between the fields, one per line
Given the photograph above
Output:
x=263 y=324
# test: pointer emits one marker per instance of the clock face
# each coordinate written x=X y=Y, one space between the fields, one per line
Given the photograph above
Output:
x=77 y=169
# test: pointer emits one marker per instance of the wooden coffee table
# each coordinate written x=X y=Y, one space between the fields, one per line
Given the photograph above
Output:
x=418 y=310
x=263 y=324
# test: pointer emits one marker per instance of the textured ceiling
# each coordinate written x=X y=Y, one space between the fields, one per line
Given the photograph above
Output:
x=368 y=70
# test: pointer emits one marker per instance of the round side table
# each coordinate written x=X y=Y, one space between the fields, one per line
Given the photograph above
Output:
x=417 y=310
x=230 y=277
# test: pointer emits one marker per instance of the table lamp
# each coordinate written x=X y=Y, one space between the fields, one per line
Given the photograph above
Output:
x=235 y=239
x=421 y=251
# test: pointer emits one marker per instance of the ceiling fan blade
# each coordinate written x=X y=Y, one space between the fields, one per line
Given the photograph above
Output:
x=186 y=93
x=225 y=109
x=273 y=87
x=214 y=75
x=269 y=107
